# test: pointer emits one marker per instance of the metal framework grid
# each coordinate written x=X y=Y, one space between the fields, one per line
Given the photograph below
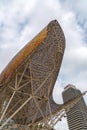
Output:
x=27 y=83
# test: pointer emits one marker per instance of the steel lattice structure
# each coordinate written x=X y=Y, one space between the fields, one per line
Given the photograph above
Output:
x=26 y=84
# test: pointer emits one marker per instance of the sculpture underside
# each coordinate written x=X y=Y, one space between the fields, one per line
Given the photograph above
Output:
x=28 y=89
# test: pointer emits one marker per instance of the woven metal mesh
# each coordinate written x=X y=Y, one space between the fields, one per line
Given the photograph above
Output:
x=35 y=79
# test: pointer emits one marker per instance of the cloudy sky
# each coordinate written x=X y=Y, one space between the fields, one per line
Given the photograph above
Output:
x=21 y=20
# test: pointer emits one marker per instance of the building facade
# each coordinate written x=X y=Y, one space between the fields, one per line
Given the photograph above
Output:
x=77 y=115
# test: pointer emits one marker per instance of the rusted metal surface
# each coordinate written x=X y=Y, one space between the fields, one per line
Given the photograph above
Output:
x=22 y=55
x=31 y=76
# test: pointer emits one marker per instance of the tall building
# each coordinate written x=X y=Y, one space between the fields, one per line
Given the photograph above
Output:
x=77 y=115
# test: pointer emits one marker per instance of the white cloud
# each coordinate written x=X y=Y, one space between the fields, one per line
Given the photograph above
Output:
x=57 y=93
x=79 y=7
x=62 y=125
x=20 y=21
